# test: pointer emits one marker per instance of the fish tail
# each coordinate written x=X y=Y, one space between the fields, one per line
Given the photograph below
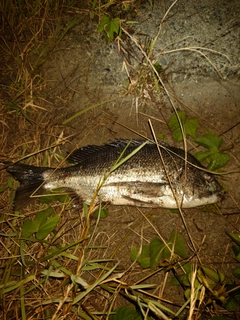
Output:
x=30 y=178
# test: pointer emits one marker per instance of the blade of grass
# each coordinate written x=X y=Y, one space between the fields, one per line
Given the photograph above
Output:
x=121 y=160
x=95 y=284
x=19 y=283
x=78 y=114
x=22 y=299
x=58 y=251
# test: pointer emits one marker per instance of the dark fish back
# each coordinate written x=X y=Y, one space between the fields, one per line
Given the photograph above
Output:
x=99 y=156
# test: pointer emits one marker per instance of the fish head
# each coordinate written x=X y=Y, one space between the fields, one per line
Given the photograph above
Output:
x=201 y=188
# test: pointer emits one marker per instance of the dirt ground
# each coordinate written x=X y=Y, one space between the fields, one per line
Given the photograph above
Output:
x=86 y=74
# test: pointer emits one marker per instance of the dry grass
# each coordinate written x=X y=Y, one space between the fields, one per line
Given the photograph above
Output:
x=81 y=270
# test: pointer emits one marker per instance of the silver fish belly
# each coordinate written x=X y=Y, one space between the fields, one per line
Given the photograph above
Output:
x=142 y=180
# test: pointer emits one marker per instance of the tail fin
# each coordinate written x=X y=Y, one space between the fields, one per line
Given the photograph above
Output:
x=30 y=179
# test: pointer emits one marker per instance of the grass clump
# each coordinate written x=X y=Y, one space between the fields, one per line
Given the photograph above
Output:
x=30 y=33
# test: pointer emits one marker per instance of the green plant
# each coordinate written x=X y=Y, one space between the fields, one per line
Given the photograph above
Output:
x=159 y=252
x=189 y=125
x=215 y=159
x=41 y=226
x=110 y=27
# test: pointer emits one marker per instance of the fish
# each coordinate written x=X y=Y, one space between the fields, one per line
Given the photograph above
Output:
x=124 y=172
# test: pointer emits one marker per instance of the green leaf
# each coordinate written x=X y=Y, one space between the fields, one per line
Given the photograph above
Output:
x=42 y=216
x=111 y=27
x=143 y=259
x=187 y=293
x=54 y=274
x=205 y=280
x=215 y=160
x=236 y=273
x=187 y=267
x=213 y=157
x=103 y=22
x=10 y=183
x=46 y=227
x=186 y=278
x=179 y=247
x=190 y=126
x=134 y=253
x=102 y=214
x=235 y=237
x=210 y=141
x=126 y=313
x=203 y=155
x=236 y=250
x=183 y=278
x=156 y=248
x=79 y=280
x=114 y=26
x=159 y=251
x=231 y=304
x=238 y=257
x=221 y=276
x=29 y=227
x=211 y=274
x=173 y=121
x=13 y=285
x=218 y=318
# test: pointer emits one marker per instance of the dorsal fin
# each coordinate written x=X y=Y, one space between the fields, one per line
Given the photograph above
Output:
x=81 y=154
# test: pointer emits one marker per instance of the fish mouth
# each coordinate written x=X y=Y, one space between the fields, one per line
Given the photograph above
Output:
x=212 y=185
x=218 y=193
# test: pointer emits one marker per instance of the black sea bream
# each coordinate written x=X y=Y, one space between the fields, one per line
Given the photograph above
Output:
x=142 y=180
